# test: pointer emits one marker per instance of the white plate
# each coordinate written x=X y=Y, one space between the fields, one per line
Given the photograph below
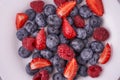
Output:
x=12 y=66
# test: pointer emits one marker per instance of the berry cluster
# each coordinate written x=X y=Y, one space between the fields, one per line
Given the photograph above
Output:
x=67 y=37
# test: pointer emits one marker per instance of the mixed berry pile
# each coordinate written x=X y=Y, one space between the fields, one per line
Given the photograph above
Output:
x=67 y=40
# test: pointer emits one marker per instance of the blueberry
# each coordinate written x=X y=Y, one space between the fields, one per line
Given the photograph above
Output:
x=83 y=71
x=94 y=59
x=53 y=49
x=74 y=12
x=58 y=76
x=87 y=43
x=35 y=33
x=55 y=59
x=36 y=54
x=81 y=33
x=85 y=12
x=77 y=45
x=86 y=54
x=89 y=30
x=81 y=61
x=40 y=20
x=31 y=13
x=54 y=20
x=46 y=54
x=95 y=21
x=97 y=46
x=31 y=27
x=70 y=20
x=49 y=69
x=49 y=9
x=53 y=30
x=29 y=71
x=22 y=33
x=52 y=41
x=24 y=53
x=63 y=39
x=79 y=1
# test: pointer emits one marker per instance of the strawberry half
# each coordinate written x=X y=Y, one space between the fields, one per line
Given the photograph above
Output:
x=68 y=30
x=71 y=69
x=64 y=9
x=38 y=63
x=96 y=6
x=41 y=40
x=21 y=18
x=106 y=54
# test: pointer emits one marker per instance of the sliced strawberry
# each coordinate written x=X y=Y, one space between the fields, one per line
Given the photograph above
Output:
x=21 y=18
x=37 y=5
x=41 y=40
x=28 y=43
x=38 y=63
x=59 y=2
x=65 y=8
x=106 y=54
x=68 y=30
x=65 y=52
x=71 y=69
x=96 y=6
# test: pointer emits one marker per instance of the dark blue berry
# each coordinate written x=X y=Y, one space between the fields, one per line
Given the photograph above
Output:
x=49 y=69
x=89 y=30
x=29 y=71
x=95 y=21
x=77 y=45
x=53 y=30
x=86 y=54
x=52 y=41
x=54 y=20
x=36 y=54
x=81 y=61
x=97 y=46
x=49 y=9
x=58 y=76
x=46 y=54
x=81 y=33
x=22 y=33
x=74 y=12
x=87 y=43
x=40 y=20
x=85 y=12
x=79 y=1
x=70 y=20
x=24 y=53
x=83 y=71
x=53 y=49
x=31 y=27
x=31 y=13
x=63 y=39
x=35 y=33
x=94 y=59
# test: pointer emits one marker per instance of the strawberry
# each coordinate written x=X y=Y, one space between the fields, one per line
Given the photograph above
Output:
x=64 y=9
x=71 y=69
x=79 y=22
x=59 y=2
x=106 y=54
x=96 y=6
x=41 y=40
x=28 y=43
x=68 y=30
x=38 y=63
x=37 y=5
x=65 y=52
x=21 y=18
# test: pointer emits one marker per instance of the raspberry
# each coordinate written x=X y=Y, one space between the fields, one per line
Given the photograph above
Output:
x=78 y=21
x=65 y=52
x=59 y=2
x=42 y=75
x=37 y=6
x=28 y=43
x=101 y=34
x=94 y=71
